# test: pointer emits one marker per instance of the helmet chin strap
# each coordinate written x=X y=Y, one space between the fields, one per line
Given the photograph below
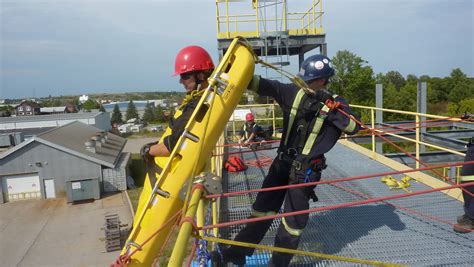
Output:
x=199 y=82
x=198 y=86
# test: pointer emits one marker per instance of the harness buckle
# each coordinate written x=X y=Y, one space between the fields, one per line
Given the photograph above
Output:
x=299 y=129
x=319 y=163
x=297 y=165
x=292 y=152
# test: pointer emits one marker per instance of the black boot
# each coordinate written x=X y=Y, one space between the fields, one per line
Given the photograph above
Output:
x=465 y=224
x=221 y=260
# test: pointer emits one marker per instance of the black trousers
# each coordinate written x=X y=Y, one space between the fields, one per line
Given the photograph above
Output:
x=294 y=199
x=468 y=170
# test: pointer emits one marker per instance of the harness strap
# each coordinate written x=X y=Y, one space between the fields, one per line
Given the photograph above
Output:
x=316 y=128
x=294 y=110
x=152 y=169
x=321 y=117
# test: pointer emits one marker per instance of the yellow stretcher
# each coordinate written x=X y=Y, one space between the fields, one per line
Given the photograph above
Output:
x=158 y=205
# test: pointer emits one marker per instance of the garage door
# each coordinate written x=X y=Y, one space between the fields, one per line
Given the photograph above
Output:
x=20 y=187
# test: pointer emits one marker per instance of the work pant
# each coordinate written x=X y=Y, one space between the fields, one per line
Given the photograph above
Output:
x=467 y=174
x=295 y=199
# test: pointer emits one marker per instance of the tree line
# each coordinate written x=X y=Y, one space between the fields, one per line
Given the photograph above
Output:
x=151 y=113
x=355 y=81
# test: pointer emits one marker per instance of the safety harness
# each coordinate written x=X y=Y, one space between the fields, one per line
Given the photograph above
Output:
x=306 y=143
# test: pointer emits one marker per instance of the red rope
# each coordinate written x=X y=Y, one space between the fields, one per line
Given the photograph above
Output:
x=231 y=145
x=174 y=217
x=336 y=181
x=343 y=205
x=401 y=149
x=193 y=252
x=168 y=238
x=411 y=211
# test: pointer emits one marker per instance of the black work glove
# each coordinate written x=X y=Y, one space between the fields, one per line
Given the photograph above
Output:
x=145 y=152
x=324 y=95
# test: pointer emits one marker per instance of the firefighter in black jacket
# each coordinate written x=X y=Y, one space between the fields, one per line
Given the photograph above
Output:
x=312 y=125
x=465 y=222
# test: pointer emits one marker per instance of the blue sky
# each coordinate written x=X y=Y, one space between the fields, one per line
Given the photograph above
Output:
x=71 y=47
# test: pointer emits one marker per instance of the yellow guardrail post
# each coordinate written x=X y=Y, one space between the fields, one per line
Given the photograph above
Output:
x=233 y=125
x=215 y=217
x=227 y=17
x=273 y=119
x=178 y=254
x=256 y=18
x=417 y=142
x=218 y=26
x=372 y=121
x=321 y=14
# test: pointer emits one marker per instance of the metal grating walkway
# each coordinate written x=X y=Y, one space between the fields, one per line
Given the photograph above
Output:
x=378 y=231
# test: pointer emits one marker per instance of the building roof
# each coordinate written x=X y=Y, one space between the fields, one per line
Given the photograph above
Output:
x=69 y=116
x=53 y=109
x=71 y=138
x=27 y=132
x=29 y=103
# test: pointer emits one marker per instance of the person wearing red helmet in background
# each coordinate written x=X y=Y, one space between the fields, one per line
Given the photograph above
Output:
x=193 y=65
x=251 y=132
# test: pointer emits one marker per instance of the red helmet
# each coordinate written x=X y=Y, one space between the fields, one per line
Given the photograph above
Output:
x=249 y=117
x=192 y=58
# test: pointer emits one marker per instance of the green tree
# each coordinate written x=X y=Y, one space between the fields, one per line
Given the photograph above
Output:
x=464 y=106
x=396 y=79
x=101 y=108
x=89 y=104
x=159 y=114
x=403 y=99
x=148 y=115
x=353 y=78
x=440 y=90
x=116 y=115
x=411 y=78
x=461 y=87
x=131 y=111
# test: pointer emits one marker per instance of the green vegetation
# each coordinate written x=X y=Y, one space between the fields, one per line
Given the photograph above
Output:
x=89 y=105
x=131 y=111
x=116 y=115
x=355 y=81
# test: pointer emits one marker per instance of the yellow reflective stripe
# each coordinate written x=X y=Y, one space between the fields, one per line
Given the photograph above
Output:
x=245 y=131
x=292 y=231
x=256 y=213
x=314 y=133
x=294 y=109
x=466 y=178
x=351 y=127
x=312 y=137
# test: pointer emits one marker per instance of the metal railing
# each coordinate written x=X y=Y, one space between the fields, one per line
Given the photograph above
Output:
x=418 y=120
x=256 y=21
x=198 y=206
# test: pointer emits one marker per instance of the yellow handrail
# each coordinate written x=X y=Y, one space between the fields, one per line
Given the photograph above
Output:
x=308 y=22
